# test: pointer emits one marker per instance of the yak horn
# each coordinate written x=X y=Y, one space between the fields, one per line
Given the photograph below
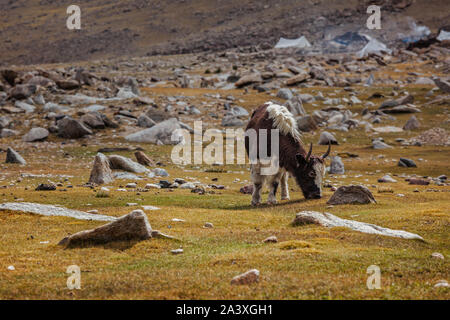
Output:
x=327 y=153
x=309 y=152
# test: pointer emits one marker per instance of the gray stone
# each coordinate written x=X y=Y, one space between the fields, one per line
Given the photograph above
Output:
x=131 y=227
x=101 y=172
x=232 y=121
x=93 y=120
x=123 y=163
x=380 y=145
x=13 y=157
x=49 y=210
x=72 y=129
x=337 y=166
x=295 y=106
x=352 y=194
x=36 y=134
x=407 y=163
x=285 y=94
x=411 y=124
x=159 y=133
x=145 y=121
x=327 y=138
x=328 y=220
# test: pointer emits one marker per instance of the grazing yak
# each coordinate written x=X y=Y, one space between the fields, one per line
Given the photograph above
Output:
x=307 y=169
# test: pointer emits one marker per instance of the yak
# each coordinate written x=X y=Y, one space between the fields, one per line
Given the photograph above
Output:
x=307 y=169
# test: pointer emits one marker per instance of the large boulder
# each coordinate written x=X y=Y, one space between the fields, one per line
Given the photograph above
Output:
x=352 y=195
x=72 y=129
x=13 y=157
x=36 y=134
x=328 y=220
x=160 y=133
x=68 y=84
x=101 y=172
x=131 y=227
x=122 y=163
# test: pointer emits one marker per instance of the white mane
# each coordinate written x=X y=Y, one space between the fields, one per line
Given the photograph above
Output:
x=283 y=120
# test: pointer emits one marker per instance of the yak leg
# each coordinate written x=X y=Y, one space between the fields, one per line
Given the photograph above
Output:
x=285 y=186
x=258 y=181
x=274 y=182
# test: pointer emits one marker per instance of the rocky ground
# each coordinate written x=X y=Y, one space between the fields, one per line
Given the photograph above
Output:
x=142 y=27
x=94 y=137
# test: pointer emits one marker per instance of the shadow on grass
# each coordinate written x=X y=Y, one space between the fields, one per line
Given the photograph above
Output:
x=265 y=205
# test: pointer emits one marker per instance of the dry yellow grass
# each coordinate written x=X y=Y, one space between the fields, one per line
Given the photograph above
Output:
x=309 y=262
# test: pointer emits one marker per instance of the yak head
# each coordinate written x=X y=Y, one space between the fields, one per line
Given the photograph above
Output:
x=309 y=173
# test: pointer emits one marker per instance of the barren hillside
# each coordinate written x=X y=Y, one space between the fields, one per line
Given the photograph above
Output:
x=34 y=31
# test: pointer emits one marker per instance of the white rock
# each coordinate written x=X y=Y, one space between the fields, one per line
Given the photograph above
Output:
x=328 y=220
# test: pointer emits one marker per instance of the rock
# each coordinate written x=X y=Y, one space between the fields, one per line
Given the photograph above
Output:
x=177 y=251
x=271 y=239
x=285 y=94
x=411 y=124
x=164 y=184
x=327 y=138
x=159 y=172
x=36 y=134
x=208 y=225
x=419 y=182
x=351 y=195
x=101 y=172
x=400 y=101
x=28 y=108
x=161 y=132
x=49 y=210
x=70 y=128
x=437 y=255
x=407 y=163
x=239 y=112
x=46 y=187
x=337 y=166
x=387 y=178
x=9 y=75
x=152 y=186
x=232 y=121
x=143 y=159
x=68 y=84
x=248 y=189
x=295 y=106
x=145 y=121
x=94 y=120
x=442 y=284
x=131 y=227
x=328 y=220
x=249 y=277
x=306 y=123
x=22 y=91
x=299 y=78
x=5 y=133
x=131 y=185
x=13 y=157
x=380 y=145
x=442 y=84
x=248 y=79
x=402 y=109
x=122 y=163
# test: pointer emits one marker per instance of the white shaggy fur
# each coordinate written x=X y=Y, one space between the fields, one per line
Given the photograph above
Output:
x=283 y=120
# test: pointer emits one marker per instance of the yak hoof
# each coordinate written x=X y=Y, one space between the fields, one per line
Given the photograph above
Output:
x=272 y=202
x=255 y=204
x=285 y=198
